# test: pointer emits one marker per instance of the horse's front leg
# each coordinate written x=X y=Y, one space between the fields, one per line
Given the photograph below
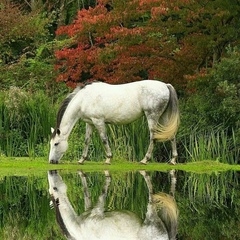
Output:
x=87 y=196
x=89 y=130
x=100 y=126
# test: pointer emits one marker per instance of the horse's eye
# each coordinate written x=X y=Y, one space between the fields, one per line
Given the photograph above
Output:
x=55 y=144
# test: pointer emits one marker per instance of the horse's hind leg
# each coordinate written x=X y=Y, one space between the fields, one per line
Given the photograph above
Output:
x=174 y=151
x=151 y=124
x=164 y=121
x=89 y=129
x=149 y=151
x=99 y=208
x=149 y=183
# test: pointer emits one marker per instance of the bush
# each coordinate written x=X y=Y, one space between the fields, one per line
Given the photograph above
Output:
x=216 y=97
x=210 y=115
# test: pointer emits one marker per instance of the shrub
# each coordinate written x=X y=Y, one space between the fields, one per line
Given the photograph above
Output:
x=217 y=96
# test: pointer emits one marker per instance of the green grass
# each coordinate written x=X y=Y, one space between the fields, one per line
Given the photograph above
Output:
x=39 y=166
x=218 y=143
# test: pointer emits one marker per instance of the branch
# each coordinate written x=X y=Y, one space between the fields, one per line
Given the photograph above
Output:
x=28 y=3
x=90 y=39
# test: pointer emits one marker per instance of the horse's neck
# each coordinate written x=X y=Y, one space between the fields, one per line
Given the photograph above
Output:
x=69 y=119
x=69 y=217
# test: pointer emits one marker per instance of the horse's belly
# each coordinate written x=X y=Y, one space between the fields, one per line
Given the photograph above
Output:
x=123 y=116
x=113 y=226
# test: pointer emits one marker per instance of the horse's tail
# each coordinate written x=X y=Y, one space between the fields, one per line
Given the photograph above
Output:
x=168 y=212
x=170 y=119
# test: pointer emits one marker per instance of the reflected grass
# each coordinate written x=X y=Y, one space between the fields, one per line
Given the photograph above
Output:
x=38 y=166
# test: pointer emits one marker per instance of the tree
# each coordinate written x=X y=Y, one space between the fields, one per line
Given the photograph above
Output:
x=20 y=32
x=124 y=41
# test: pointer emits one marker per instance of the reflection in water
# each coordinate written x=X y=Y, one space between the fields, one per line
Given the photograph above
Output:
x=209 y=203
x=97 y=223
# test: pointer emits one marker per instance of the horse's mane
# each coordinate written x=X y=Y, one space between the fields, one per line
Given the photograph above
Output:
x=63 y=108
x=65 y=104
x=59 y=218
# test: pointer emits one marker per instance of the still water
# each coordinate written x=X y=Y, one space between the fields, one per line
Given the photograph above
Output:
x=120 y=205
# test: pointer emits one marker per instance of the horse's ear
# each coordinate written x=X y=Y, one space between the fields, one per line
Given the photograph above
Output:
x=58 y=131
x=52 y=130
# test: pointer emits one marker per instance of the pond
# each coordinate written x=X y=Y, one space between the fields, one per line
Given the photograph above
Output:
x=120 y=205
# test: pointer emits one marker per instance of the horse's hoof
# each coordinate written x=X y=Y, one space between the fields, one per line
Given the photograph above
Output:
x=81 y=173
x=172 y=163
x=106 y=173
x=80 y=162
x=143 y=162
x=142 y=172
x=107 y=163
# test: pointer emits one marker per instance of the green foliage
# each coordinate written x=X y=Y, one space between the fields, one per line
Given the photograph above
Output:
x=216 y=97
x=25 y=121
x=24 y=201
x=20 y=32
x=210 y=115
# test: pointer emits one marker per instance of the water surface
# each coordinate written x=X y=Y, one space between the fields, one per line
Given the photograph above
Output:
x=128 y=204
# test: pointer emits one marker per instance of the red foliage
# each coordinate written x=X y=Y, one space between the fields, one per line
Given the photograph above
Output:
x=137 y=39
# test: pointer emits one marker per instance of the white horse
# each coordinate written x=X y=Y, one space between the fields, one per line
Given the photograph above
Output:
x=95 y=223
x=100 y=103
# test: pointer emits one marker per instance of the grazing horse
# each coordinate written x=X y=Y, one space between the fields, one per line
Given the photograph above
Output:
x=160 y=223
x=99 y=103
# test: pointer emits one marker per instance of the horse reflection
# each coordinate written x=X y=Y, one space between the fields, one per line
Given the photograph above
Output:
x=97 y=223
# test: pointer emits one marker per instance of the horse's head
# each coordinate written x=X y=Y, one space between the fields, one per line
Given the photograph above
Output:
x=56 y=184
x=58 y=146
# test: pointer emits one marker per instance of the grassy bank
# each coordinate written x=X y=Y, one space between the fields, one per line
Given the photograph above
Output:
x=39 y=166
x=26 y=119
